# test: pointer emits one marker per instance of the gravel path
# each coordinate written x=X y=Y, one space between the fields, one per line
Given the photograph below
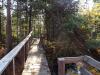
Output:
x=36 y=63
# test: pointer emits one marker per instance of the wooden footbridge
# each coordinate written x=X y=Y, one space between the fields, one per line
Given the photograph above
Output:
x=9 y=61
x=82 y=62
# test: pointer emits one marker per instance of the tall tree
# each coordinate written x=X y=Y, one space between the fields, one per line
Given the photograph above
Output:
x=1 y=7
x=30 y=16
x=8 y=27
x=0 y=25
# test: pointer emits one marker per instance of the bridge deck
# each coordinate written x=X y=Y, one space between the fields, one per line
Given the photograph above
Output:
x=36 y=63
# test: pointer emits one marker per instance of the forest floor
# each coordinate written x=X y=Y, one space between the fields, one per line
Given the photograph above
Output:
x=36 y=63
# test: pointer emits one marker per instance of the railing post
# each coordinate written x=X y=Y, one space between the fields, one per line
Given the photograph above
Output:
x=20 y=60
x=61 y=66
x=9 y=69
x=14 y=66
x=24 y=53
x=28 y=45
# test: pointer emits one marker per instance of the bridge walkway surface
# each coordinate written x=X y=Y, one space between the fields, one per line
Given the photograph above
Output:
x=36 y=63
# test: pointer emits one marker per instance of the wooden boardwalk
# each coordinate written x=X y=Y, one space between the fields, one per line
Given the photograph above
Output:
x=36 y=63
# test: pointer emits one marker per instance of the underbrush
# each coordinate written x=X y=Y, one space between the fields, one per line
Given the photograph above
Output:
x=93 y=43
x=54 y=50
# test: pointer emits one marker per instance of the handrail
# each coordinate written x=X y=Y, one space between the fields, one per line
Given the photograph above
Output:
x=84 y=71
x=84 y=59
x=5 y=61
x=92 y=62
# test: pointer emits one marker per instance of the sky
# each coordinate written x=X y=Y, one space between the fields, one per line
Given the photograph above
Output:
x=5 y=10
x=89 y=3
x=82 y=2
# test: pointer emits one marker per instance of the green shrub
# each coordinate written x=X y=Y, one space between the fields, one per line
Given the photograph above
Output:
x=93 y=43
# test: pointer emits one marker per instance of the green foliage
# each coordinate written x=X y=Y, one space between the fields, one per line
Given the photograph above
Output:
x=96 y=0
x=93 y=44
x=73 y=21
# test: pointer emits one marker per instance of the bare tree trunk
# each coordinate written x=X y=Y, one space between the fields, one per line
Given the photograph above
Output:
x=1 y=22
x=9 y=70
x=30 y=18
x=8 y=27
x=26 y=20
x=17 y=22
x=0 y=28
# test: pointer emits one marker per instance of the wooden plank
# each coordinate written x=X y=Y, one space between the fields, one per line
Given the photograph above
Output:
x=92 y=62
x=85 y=71
x=73 y=59
x=4 y=62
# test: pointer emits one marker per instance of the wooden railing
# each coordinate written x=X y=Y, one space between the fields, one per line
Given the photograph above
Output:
x=85 y=60
x=15 y=57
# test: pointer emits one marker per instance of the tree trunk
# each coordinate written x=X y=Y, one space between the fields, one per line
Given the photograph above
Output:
x=0 y=28
x=17 y=22
x=30 y=18
x=9 y=70
x=8 y=28
x=26 y=20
